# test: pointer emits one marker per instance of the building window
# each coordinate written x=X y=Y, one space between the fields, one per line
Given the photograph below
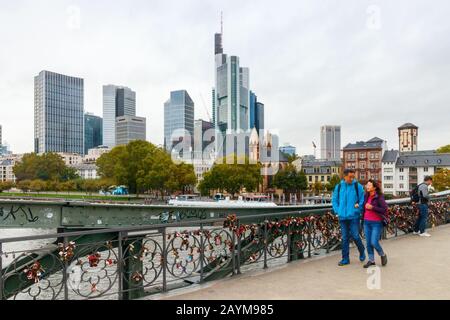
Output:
x=401 y=178
x=425 y=169
x=401 y=169
x=401 y=185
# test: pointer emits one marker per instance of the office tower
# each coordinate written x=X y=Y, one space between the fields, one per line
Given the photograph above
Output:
x=117 y=102
x=407 y=137
x=330 y=142
x=130 y=128
x=231 y=91
x=178 y=119
x=288 y=149
x=93 y=132
x=200 y=128
x=58 y=113
x=256 y=113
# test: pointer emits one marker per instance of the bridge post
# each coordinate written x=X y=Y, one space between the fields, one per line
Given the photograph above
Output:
x=296 y=237
x=132 y=281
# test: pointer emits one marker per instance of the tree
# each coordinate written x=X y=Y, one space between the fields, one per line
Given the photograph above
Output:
x=441 y=180
x=231 y=177
x=48 y=166
x=290 y=180
x=37 y=185
x=334 y=181
x=5 y=185
x=317 y=187
x=24 y=185
x=142 y=166
x=444 y=149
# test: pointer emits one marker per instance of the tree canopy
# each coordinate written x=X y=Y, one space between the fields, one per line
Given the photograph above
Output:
x=46 y=167
x=444 y=149
x=231 y=177
x=290 y=180
x=142 y=166
x=441 y=180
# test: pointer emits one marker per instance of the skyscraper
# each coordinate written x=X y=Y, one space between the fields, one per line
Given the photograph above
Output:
x=330 y=142
x=178 y=117
x=231 y=91
x=256 y=113
x=130 y=128
x=200 y=128
x=93 y=131
x=58 y=113
x=117 y=102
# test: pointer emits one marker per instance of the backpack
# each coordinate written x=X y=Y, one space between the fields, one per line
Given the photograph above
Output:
x=385 y=215
x=356 y=189
x=414 y=194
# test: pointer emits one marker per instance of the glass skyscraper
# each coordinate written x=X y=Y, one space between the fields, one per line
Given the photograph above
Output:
x=256 y=113
x=117 y=102
x=58 y=113
x=231 y=93
x=93 y=131
x=178 y=115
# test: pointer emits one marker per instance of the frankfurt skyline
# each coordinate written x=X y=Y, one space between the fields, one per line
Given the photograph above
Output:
x=311 y=64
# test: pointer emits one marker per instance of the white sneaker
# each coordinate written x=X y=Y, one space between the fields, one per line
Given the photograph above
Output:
x=416 y=232
x=425 y=234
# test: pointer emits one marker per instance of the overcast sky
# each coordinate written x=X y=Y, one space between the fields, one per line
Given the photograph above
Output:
x=368 y=66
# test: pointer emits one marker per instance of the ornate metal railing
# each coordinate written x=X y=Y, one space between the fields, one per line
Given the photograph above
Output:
x=128 y=263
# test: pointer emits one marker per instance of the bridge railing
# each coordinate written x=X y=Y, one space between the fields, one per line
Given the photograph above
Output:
x=131 y=262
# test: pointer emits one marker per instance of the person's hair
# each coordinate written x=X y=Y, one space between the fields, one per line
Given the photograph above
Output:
x=348 y=171
x=377 y=186
x=428 y=178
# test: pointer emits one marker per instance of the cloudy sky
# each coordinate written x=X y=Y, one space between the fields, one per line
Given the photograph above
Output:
x=368 y=66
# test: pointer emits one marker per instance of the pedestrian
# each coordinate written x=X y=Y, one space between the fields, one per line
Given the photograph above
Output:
x=348 y=202
x=374 y=216
x=424 y=197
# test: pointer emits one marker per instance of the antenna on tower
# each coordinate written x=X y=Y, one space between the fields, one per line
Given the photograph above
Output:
x=221 y=22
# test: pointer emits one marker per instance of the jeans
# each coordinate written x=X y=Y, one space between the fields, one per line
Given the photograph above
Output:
x=372 y=230
x=421 y=222
x=350 y=229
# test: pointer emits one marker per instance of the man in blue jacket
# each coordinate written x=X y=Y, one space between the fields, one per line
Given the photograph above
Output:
x=348 y=203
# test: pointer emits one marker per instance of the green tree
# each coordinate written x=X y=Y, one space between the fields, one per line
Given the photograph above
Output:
x=317 y=187
x=334 y=181
x=5 y=185
x=441 y=180
x=24 y=185
x=142 y=166
x=290 y=180
x=232 y=177
x=48 y=166
x=444 y=149
x=37 y=185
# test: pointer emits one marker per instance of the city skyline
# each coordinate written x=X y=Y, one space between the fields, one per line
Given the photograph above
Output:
x=406 y=79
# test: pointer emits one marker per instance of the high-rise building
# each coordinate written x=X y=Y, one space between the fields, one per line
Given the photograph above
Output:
x=130 y=128
x=117 y=102
x=407 y=137
x=93 y=131
x=231 y=91
x=200 y=128
x=178 y=119
x=256 y=113
x=330 y=142
x=58 y=113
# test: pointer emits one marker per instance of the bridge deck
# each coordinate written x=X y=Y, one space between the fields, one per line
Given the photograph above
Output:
x=418 y=268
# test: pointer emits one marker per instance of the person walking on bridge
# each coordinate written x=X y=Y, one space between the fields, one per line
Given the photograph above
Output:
x=375 y=218
x=424 y=197
x=348 y=202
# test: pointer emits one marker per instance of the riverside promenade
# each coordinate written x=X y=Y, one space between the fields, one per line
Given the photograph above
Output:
x=418 y=268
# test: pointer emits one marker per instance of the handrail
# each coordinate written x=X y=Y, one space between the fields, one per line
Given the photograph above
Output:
x=182 y=224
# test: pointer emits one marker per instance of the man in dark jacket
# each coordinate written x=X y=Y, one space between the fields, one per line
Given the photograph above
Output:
x=348 y=202
x=424 y=196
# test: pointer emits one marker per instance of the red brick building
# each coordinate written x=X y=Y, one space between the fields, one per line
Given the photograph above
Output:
x=365 y=158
